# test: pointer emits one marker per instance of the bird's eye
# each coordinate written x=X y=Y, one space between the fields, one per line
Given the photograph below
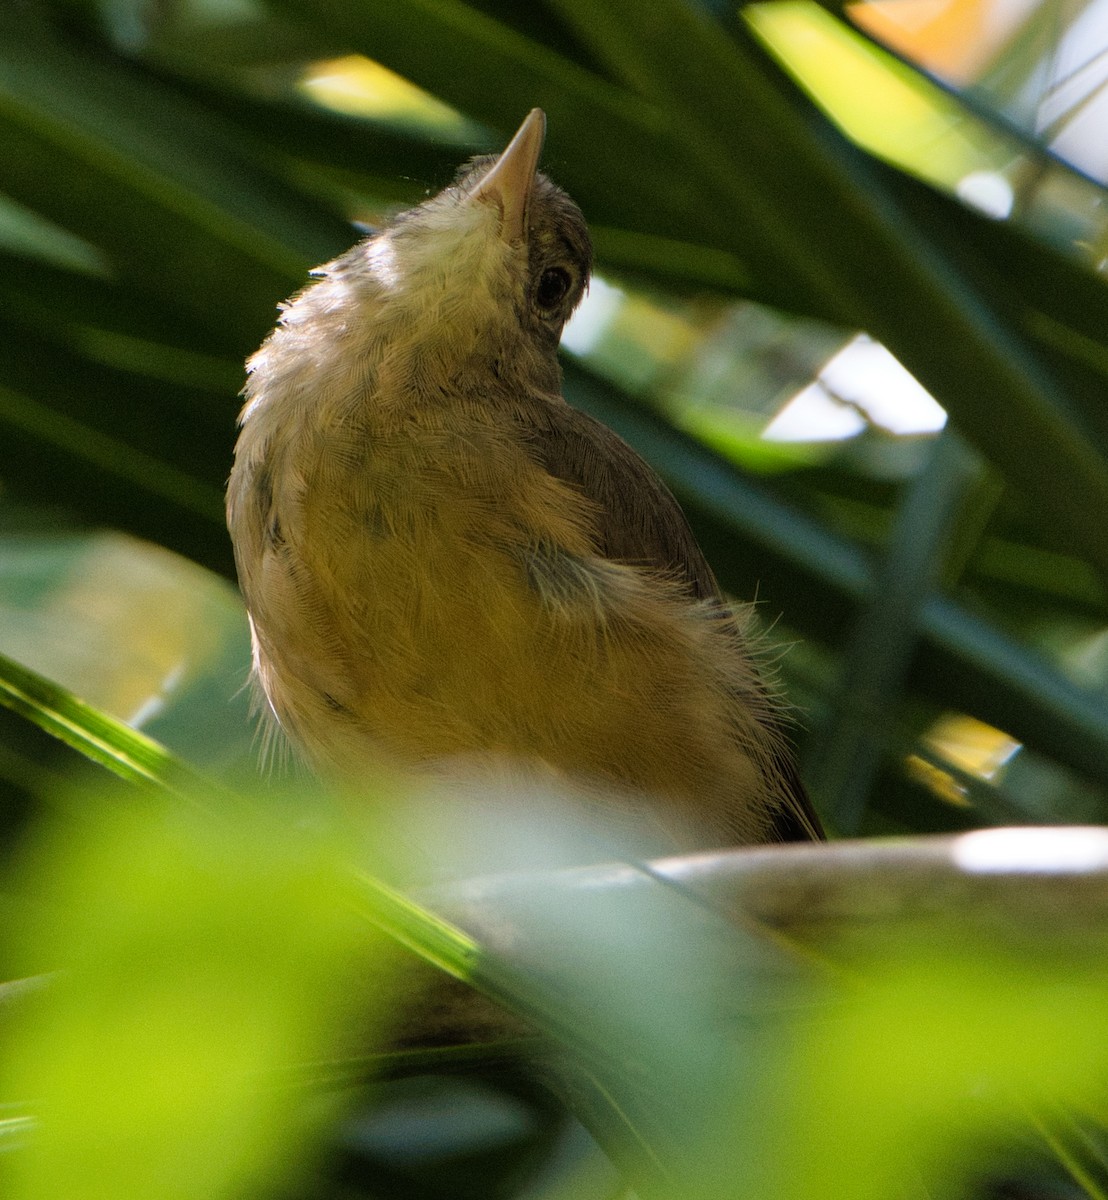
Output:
x=552 y=287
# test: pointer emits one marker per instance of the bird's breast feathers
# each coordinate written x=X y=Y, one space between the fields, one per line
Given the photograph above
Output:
x=426 y=597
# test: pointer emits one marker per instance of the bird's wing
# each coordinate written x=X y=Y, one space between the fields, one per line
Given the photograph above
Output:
x=638 y=521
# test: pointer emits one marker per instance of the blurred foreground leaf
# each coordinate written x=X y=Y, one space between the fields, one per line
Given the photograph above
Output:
x=936 y=1065
x=194 y=956
x=832 y=1021
x=835 y=1021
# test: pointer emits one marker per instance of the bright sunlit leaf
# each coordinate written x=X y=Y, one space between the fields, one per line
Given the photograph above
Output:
x=882 y=104
x=361 y=87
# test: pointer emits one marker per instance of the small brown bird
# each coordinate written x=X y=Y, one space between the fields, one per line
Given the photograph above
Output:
x=442 y=558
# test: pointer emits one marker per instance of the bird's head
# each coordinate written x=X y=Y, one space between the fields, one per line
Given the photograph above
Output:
x=541 y=230
x=475 y=283
x=501 y=255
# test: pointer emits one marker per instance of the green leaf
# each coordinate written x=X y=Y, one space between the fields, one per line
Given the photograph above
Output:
x=120 y=158
x=101 y=738
x=195 y=959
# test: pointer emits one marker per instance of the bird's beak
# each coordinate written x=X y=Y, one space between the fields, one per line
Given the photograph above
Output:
x=508 y=182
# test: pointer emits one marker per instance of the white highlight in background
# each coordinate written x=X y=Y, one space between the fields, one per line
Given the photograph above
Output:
x=987 y=191
x=594 y=315
x=862 y=383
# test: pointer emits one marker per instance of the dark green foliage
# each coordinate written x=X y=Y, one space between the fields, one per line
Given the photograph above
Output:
x=165 y=186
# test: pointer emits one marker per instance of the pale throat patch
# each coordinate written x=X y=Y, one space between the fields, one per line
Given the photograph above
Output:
x=458 y=257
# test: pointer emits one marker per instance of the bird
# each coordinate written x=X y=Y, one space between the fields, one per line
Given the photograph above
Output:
x=443 y=560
